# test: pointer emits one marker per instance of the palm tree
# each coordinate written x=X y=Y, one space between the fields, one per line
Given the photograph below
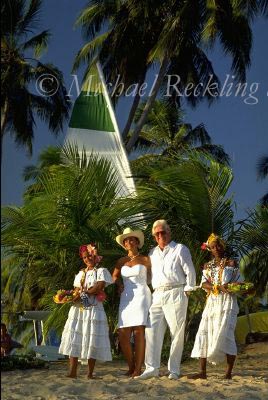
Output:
x=49 y=160
x=127 y=25
x=21 y=71
x=115 y=39
x=166 y=132
x=186 y=27
x=262 y=173
x=173 y=34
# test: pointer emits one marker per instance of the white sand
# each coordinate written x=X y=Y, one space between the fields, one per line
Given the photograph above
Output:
x=250 y=382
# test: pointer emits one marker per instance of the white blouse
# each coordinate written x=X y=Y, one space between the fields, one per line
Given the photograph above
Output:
x=93 y=276
x=211 y=274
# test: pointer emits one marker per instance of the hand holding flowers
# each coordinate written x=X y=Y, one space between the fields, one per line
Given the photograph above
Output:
x=66 y=296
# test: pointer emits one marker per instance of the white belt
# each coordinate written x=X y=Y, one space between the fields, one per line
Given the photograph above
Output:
x=169 y=287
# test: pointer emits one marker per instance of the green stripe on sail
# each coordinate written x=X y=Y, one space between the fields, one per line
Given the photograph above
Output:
x=91 y=112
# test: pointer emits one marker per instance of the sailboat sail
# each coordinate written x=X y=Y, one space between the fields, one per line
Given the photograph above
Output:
x=93 y=127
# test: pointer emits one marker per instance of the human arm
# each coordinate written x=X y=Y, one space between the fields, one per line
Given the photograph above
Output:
x=146 y=261
x=188 y=268
x=231 y=273
x=116 y=276
x=102 y=279
x=96 y=288
x=210 y=287
x=78 y=283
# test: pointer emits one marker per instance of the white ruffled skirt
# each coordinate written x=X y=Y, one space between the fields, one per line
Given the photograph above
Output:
x=215 y=337
x=86 y=334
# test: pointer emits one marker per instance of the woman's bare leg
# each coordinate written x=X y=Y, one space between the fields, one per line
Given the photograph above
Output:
x=124 y=339
x=139 y=340
x=230 y=364
x=203 y=370
x=91 y=364
x=73 y=367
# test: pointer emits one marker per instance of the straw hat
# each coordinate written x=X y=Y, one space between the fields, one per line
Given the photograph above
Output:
x=128 y=232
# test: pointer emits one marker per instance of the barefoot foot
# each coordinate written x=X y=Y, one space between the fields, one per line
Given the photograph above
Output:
x=201 y=375
x=228 y=376
x=71 y=376
x=136 y=373
x=129 y=372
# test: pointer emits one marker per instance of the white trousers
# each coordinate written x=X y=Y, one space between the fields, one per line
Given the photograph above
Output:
x=168 y=308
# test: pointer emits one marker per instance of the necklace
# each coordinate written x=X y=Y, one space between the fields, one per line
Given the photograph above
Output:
x=216 y=270
x=132 y=258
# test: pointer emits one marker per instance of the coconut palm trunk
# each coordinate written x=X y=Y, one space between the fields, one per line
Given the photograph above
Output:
x=134 y=107
x=149 y=104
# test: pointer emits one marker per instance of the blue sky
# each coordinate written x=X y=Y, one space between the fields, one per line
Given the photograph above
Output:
x=241 y=128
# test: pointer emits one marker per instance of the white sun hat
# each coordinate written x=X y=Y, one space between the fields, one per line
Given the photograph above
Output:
x=128 y=232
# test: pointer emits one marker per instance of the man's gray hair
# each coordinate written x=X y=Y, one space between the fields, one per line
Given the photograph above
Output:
x=161 y=222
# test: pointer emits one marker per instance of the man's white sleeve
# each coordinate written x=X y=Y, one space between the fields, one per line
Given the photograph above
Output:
x=188 y=268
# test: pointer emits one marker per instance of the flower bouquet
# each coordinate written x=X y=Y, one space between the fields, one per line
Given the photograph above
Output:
x=64 y=296
x=241 y=288
x=101 y=296
x=88 y=300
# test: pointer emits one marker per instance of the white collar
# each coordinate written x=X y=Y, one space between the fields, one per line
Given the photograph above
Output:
x=170 y=245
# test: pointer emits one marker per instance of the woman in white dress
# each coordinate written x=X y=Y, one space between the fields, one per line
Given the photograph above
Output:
x=135 y=299
x=215 y=338
x=86 y=333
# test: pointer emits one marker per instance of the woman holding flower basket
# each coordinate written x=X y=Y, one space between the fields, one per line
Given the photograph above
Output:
x=215 y=338
x=85 y=334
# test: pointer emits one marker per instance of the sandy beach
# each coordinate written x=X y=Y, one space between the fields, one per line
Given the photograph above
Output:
x=250 y=382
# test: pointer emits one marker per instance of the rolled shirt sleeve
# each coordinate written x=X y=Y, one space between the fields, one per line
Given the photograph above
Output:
x=188 y=268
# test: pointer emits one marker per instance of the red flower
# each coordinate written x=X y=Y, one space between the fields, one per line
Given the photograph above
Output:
x=204 y=246
x=101 y=296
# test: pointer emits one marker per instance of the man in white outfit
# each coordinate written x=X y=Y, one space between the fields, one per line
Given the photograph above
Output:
x=173 y=277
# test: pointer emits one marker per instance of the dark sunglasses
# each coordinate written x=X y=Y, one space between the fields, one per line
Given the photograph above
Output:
x=160 y=233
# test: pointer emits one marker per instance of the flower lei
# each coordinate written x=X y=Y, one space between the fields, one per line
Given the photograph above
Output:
x=213 y=272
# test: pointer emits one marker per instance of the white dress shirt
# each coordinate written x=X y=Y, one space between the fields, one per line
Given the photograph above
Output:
x=172 y=266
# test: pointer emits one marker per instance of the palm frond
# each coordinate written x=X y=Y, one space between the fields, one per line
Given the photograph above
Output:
x=31 y=17
x=262 y=167
x=38 y=43
x=89 y=51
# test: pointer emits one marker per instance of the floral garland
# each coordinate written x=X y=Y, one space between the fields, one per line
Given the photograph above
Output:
x=215 y=275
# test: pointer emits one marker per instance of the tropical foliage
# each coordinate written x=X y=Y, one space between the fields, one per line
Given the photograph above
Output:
x=21 y=72
x=167 y=133
x=253 y=239
x=173 y=34
x=52 y=224
x=78 y=204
